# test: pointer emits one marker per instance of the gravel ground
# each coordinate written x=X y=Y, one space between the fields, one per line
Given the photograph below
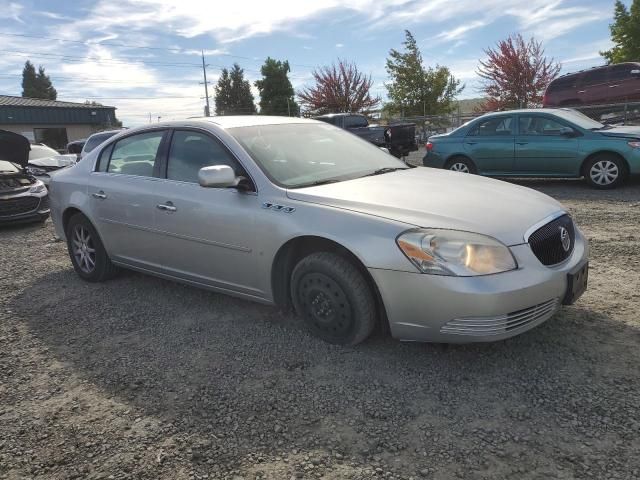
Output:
x=144 y=378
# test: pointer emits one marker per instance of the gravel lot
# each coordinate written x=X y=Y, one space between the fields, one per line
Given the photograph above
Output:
x=144 y=378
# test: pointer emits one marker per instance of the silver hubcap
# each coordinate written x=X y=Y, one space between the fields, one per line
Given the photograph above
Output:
x=83 y=249
x=459 y=167
x=604 y=172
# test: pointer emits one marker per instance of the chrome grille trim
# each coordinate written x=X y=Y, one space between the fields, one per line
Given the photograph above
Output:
x=481 y=326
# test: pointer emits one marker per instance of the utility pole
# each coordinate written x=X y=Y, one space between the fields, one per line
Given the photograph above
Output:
x=288 y=107
x=207 y=111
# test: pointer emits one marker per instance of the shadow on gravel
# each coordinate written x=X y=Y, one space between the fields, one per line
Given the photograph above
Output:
x=577 y=189
x=213 y=365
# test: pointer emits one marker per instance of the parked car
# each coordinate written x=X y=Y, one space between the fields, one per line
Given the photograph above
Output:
x=399 y=139
x=608 y=84
x=23 y=198
x=292 y=211
x=76 y=147
x=96 y=139
x=43 y=161
x=560 y=143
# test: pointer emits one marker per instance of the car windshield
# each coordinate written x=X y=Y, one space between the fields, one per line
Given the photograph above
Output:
x=7 y=167
x=41 y=151
x=303 y=154
x=97 y=139
x=580 y=119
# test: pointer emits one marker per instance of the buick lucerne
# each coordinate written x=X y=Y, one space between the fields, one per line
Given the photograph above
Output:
x=296 y=212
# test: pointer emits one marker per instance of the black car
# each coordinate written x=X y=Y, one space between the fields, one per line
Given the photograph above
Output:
x=23 y=198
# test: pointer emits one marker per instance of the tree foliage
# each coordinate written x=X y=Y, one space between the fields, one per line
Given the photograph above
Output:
x=37 y=84
x=415 y=89
x=233 y=93
x=340 y=88
x=625 y=34
x=516 y=73
x=276 y=91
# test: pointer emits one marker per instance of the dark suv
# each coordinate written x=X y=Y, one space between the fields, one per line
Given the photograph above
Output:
x=609 y=84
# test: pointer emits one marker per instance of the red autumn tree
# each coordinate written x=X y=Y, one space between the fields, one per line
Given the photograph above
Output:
x=516 y=73
x=340 y=88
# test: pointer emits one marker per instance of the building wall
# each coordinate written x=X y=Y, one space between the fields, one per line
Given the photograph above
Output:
x=74 y=132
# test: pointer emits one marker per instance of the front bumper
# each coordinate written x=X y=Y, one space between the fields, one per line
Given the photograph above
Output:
x=443 y=309
x=24 y=207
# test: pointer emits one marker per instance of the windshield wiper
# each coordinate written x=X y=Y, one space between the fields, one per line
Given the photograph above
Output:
x=604 y=127
x=380 y=171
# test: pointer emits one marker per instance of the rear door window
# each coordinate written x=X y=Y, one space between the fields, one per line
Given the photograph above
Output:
x=595 y=77
x=355 y=121
x=136 y=155
x=501 y=126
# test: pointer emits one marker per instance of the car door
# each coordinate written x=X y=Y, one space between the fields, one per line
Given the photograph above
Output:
x=207 y=234
x=122 y=196
x=544 y=148
x=490 y=144
x=596 y=87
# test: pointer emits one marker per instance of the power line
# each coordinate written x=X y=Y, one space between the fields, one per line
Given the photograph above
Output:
x=144 y=47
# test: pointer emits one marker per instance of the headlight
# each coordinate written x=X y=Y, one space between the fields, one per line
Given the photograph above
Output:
x=35 y=170
x=457 y=253
x=38 y=187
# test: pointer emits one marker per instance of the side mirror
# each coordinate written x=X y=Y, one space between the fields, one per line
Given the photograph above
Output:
x=217 y=176
x=567 y=132
x=384 y=149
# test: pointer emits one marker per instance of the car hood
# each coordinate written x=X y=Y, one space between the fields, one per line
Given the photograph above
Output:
x=55 y=161
x=426 y=197
x=623 y=131
x=14 y=148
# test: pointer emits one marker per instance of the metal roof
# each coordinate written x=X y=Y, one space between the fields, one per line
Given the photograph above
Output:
x=7 y=100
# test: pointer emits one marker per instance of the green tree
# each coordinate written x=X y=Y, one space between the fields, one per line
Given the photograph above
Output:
x=276 y=91
x=37 y=85
x=233 y=93
x=45 y=87
x=625 y=34
x=415 y=89
x=29 y=81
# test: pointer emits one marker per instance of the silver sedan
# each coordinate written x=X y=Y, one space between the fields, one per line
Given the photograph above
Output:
x=299 y=213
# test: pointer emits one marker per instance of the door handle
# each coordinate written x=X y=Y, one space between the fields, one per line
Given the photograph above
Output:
x=99 y=195
x=521 y=143
x=167 y=207
x=581 y=91
x=471 y=143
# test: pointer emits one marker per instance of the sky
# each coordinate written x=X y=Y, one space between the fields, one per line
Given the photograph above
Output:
x=144 y=56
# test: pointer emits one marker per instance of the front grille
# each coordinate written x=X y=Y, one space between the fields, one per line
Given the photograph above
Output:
x=44 y=204
x=18 y=206
x=483 y=326
x=547 y=243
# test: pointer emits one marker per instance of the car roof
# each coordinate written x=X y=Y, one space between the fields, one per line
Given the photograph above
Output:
x=105 y=132
x=532 y=110
x=233 y=121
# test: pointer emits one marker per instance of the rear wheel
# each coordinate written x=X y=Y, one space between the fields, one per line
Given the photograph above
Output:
x=605 y=171
x=461 y=164
x=333 y=299
x=88 y=256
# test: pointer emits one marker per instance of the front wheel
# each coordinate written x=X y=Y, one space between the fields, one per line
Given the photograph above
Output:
x=605 y=171
x=333 y=299
x=88 y=256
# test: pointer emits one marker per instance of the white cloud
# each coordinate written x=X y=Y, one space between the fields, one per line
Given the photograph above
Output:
x=11 y=10
x=459 y=32
x=339 y=45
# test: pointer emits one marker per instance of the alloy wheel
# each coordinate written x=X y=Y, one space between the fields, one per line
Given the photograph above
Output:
x=84 y=249
x=604 y=172
x=459 y=167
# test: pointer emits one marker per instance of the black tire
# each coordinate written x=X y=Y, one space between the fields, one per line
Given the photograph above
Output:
x=333 y=299
x=101 y=268
x=455 y=164
x=605 y=171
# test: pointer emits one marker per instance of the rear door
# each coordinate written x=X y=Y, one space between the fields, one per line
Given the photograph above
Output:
x=491 y=144
x=122 y=196
x=542 y=149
